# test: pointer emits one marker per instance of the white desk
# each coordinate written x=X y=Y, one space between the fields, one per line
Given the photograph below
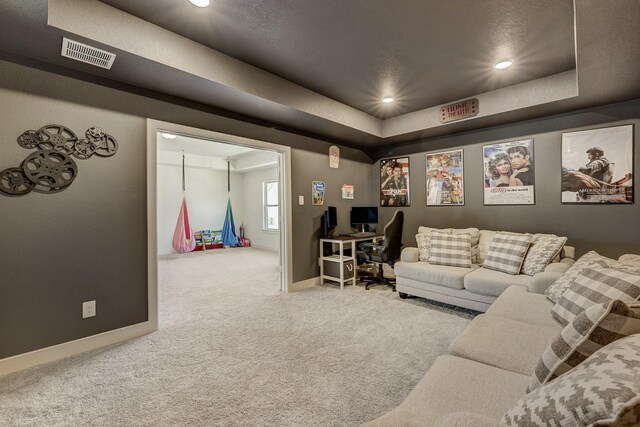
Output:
x=343 y=242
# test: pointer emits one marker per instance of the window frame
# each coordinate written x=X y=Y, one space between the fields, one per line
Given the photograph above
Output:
x=266 y=206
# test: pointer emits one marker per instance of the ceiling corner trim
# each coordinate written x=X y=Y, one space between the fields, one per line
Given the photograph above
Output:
x=94 y=20
x=552 y=88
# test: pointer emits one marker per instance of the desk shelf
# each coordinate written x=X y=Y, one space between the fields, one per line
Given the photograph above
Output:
x=345 y=263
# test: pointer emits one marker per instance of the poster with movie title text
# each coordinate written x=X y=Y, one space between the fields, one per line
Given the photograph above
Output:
x=445 y=178
x=597 y=165
x=509 y=173
x=394 y=182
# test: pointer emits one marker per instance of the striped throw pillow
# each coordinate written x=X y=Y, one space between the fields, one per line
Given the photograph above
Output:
x=423 y=240
x=594 y=328
x=450 y=249
x=595 y=285
x=507 y=251
x=590 y=259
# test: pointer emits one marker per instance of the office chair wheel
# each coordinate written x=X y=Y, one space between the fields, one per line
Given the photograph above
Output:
x=402 y=295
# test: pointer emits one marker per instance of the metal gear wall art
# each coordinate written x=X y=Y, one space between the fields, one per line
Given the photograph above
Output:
x=51 y=168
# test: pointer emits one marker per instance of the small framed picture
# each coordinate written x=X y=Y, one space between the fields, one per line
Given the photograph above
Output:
x=317 y=193
x=597 y=165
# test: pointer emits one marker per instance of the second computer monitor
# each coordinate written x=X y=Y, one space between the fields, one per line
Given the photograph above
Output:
x=362 y=217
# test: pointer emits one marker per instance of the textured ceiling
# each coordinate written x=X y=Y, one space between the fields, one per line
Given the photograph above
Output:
x=319 y=67
x=422 y=52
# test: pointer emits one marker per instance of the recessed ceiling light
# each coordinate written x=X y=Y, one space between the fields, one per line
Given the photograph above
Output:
x=503 y=64
x=387 y=99
x=166 y=135
x=200 y=3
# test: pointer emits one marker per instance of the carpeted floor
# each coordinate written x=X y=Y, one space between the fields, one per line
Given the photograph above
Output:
x=232 y=350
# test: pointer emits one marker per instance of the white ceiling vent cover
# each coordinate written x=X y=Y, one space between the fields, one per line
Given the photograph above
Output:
x=87 y=54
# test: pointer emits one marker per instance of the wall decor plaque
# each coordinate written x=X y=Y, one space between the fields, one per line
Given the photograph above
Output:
x=459 y=110
x=51 y=168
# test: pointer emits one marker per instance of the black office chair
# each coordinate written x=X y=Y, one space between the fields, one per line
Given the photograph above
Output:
x=384 y=252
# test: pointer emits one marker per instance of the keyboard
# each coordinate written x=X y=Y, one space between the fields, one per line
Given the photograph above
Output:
x=364 y=234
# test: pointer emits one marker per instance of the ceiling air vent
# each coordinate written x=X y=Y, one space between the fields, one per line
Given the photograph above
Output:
x=87 y=54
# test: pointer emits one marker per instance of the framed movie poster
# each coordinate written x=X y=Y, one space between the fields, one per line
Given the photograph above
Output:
x=394 y=182
x=597 y=165
x=445 y=178
x=509 y=173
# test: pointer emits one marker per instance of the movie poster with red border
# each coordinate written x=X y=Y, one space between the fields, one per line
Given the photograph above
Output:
x=394 y=182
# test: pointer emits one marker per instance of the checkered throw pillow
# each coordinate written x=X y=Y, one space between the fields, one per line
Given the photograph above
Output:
x=423 y=240
x=507 y=251
x=596 y=285
x=450 y=249
x=590 y=259
x=603 y=390
x=594 y=328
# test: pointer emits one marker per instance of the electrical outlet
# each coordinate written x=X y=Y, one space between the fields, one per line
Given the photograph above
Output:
x=88 y=309
x=301 y=200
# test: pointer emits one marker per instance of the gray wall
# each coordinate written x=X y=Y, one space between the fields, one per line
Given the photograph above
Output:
x=308 y=167
x=611 y=230
x=89 y=241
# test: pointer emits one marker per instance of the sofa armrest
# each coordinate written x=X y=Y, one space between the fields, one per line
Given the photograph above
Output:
x=410 y=255
x=541 y=281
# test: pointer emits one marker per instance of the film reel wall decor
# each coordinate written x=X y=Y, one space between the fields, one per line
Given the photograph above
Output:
x=51 y=168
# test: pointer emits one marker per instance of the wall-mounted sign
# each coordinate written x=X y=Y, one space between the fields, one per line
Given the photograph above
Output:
x=334 y=156
x=459 y=110
x=347 y=191
x=317 y=193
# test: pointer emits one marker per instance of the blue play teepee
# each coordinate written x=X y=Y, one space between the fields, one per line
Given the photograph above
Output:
x=229 y=237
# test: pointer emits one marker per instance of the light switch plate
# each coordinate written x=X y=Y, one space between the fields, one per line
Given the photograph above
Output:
x=301 y=200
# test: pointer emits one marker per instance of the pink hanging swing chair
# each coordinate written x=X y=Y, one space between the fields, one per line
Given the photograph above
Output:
x=183 y=240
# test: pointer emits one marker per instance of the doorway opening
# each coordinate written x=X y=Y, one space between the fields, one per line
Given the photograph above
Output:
x=223 y=175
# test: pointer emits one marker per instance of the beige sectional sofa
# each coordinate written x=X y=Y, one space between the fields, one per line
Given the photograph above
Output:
x=475 y=288
x=488 y=367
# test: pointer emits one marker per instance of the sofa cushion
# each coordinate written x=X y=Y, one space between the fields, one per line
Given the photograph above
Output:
x=555 y=291
x=486 y=236
x=544 y=247
x=489 y=282
x=518 y=304
x=594 y=328
x=603 y=390
x=504 y=343
x=443 y=275
x=449 y=249
x=453 y=384
x=507 y=251
x=597 y=285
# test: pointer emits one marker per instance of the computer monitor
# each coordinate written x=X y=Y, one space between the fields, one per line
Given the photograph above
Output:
x=362 y=217
x=329 y=221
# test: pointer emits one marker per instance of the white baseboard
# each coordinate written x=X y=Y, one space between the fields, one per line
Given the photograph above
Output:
x=60 y=351
x=304 y=284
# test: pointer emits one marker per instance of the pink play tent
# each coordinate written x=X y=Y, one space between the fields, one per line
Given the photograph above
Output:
x=183 y=240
